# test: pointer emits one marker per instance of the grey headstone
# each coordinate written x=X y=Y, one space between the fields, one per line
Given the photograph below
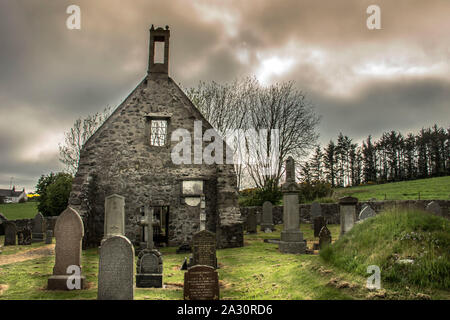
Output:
x=434 y=207
x=69 y=231
x=116 y=269
x=204 y=248
x=38 y=228
x=251 y=221
x=318 y=223
x=324 y=237
x=347 y=211
x=316 y=210
x=149 y=269
x=10 y=233
x=267 y=217
x=24 y=237
x=367 y=212
x=114 y=224
x=49 y=237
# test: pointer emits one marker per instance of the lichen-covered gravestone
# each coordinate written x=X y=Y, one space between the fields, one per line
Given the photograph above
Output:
x=267 y=217
x=69 y=233
x=38 y=228
x=434 y=207
x=347 y=211
x=10 y=233
x=324 y=237
x=366 y=212
x=24 y=237
x=204 y=249
x=251 y=221
x=116 y=269
x=291 y=236
x=114 y=224
x=201 y=283
x=49 y=237
x=318 y=223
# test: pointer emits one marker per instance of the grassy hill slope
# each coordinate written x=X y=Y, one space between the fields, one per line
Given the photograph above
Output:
x=14 y=211
x=392 y=236
x=431 y=189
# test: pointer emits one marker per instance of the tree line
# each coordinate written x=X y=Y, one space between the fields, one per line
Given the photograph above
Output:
x=393 y=157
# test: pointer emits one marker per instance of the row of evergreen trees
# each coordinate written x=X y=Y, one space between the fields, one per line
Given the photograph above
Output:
x=394 y=157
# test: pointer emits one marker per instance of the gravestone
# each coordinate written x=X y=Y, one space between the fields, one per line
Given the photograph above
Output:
x=291 y=236
x=318 y=223
x=69 y=231
x=434 y=207
x=324 y=237
x=251 y=221
x=201 y=283
x=2 y=220
x=49 y=237
x=149 y=266
x=10 y=233
x=204 y=249
x=38 y=228
x=24 y=237
x=114 y=224
x=316 y=210
x=267 y=217
x=347 y=211
x=116 y=269
x=366 y=212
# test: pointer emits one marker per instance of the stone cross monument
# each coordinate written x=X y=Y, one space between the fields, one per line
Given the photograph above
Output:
x=291 y=236
x=202 y=214
x=149 y=264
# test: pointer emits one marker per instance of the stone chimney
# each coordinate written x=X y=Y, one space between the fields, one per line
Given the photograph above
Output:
x=159 y=69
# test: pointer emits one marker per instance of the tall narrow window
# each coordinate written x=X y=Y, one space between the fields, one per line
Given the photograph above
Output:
x=158 y=132
x=159 y=52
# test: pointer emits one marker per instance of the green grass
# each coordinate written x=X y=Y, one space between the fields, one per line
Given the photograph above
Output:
x=14 y=211
x=395 y=235
x=430 y=189
x=256 y=271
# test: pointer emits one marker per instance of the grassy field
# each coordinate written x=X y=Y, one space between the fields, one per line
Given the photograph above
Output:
x=429 y=189
x=256 y=271
x=14 y=211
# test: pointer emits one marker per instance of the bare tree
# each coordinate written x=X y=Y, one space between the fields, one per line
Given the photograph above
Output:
x=82 y=130
x=278 y=122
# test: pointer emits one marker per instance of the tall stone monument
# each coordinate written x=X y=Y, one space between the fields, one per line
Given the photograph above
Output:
x=38 y=228
x=149 y=268
x=114 y=224
x=69 y=231
x=116 y=269
x=267 y=217
x=347 y=211
x=291 y=236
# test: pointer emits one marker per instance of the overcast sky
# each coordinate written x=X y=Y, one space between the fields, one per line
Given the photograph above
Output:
x=361 y=81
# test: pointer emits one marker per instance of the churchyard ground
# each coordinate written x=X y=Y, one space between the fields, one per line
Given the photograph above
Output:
x=256 y=271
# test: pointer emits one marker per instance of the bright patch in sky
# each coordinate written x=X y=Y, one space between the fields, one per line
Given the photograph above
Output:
x=273 y=66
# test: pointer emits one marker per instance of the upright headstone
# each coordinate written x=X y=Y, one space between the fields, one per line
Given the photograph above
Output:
x=267 y=217
x=204 y=249
x=366 y=212
x=38 y=228
x=49 y=237
x=316 y=210
x=201 y=283
x=114 y=224
x=324 y=237
x=251 y=221
x=10 y=233
x=318 y=223
x=24 y=237
x=116 y=269
x=434 y=207
x=347 y=211
x=69 y=231
x=149 y=268
x=2 y=227
x=291 y=236
x=202 y=214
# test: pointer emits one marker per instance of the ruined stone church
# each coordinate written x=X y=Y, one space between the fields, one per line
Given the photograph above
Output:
x=130 y=155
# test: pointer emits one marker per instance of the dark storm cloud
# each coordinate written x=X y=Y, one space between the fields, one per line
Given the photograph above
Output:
x=49 y=76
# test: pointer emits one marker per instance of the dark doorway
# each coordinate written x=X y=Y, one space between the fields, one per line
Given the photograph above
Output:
x=160 y=225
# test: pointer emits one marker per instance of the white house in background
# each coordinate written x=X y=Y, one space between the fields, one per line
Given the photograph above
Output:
x=13 y=196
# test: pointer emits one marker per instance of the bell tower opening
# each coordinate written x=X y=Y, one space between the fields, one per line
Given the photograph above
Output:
x=159 y=51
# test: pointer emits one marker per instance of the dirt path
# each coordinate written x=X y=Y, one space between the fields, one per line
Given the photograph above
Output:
x=27 y=255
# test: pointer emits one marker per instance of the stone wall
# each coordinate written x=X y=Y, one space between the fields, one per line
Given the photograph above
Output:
x=331 y=210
